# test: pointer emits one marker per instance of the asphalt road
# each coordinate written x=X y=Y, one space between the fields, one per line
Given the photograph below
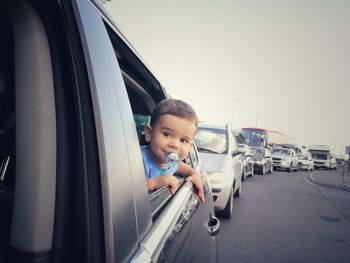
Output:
x=283 y=217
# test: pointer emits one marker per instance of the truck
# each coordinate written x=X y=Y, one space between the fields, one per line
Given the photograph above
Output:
x=323 y=157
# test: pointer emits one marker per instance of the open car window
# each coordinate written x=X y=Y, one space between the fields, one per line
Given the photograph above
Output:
x=144 y=93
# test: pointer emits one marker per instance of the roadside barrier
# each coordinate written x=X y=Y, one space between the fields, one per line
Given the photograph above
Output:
x=346 y=174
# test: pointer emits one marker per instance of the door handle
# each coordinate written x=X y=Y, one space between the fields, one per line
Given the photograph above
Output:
x=213 y=226
x=186 y=214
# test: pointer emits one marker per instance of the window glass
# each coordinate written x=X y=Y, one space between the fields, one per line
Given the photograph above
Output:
x=211 y=140
x=194 y=157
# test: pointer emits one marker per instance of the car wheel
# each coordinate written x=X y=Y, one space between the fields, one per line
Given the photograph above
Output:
x=238 y=191
x=252 y=172
x=296 y=169
x=244 y=176
x=227 y=212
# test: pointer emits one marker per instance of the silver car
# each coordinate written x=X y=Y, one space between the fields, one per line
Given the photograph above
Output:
x=72 y=183
x=262 y=160
x=219 y=153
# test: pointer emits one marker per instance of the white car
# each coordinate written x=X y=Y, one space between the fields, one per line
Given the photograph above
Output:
x=218 y=151
x=284 y=158
x=246 y=156
x=305 y=162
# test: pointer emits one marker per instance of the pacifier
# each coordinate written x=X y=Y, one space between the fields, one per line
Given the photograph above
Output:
x=172 y=159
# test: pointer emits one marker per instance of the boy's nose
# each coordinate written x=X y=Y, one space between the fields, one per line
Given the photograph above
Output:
x=174 y=144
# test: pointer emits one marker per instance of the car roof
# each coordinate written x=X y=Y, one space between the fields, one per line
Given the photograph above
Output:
x=281 y=148
x=212 y=126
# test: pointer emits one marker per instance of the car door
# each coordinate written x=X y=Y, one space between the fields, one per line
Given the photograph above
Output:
x=177 y=235
x=294 y=159
x=268 y=160
x=169 y=228
x=236 y=158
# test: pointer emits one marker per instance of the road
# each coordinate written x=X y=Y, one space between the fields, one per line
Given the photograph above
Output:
x=283 y=217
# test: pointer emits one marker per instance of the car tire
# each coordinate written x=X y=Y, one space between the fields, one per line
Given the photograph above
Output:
x=252 y=172
x=296 y=169
x=227 y=212
x=244 y=175
x=238 y=191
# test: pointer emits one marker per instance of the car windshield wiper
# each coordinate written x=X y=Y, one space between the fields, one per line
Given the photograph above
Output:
x=205 y=150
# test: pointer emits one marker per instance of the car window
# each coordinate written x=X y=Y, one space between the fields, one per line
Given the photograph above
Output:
x=144 y=93
x=211 y=140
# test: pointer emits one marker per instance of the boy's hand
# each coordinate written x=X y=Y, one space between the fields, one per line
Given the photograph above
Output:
x=172 y=182
x=163 y=180
x=197 y=182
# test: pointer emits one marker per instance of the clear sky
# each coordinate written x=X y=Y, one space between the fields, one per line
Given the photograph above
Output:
x=283 y=64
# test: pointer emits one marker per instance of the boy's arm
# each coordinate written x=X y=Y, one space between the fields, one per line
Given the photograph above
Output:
x=192 y=176
x=161 y=181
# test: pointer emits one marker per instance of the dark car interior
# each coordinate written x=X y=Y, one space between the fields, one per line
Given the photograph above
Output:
x=7 y=129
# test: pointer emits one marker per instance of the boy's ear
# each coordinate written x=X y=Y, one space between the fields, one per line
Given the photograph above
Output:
x=148 y=133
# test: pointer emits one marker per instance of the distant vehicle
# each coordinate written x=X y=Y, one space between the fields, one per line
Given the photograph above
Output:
x=339 y=159
x=305 y=162
x=285 y=158
x=246 y=156
x=262 y=160
x=219 y=154
x=323 y=157
x=258 y=137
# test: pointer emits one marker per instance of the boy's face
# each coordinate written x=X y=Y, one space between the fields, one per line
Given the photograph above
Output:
x=170 y=134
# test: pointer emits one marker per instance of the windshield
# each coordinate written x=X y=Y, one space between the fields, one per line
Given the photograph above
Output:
x=281 y=151
x=257 y=151
x=253 y=137
x=318 y=156
x=302 y=157
x=211 y=140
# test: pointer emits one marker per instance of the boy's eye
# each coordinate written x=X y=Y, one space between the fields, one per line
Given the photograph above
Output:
x=184 y=141
x=166 y=134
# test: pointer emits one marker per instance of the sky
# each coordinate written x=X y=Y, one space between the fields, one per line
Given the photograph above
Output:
x=282 y=65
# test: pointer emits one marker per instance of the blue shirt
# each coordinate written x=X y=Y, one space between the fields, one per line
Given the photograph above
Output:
x=152 y=168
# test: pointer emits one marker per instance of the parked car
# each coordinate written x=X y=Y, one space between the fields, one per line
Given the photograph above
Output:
x=285 y=158
x=73 y=188
x=262 y=160
x=305 y=162
x=219 y=153
x=246 y=156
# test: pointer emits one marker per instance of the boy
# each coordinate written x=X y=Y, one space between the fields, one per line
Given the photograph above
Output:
x=172 y=128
